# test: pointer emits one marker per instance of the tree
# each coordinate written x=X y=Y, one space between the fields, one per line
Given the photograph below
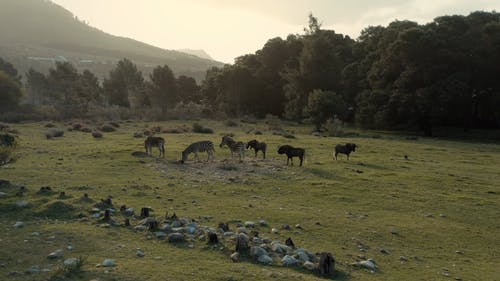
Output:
x=323 y=105
x=10 y=70
x=188 y=90
x=162 y=89
x=10 y=92
x=125 y=86
x=37 y=87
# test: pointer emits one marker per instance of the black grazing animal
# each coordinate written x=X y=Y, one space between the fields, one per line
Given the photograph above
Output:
x=344 y=149
x=155 y=141
x=257 y=146
x=291 y=152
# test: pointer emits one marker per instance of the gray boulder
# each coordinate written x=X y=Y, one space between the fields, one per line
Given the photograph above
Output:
x=176 y=237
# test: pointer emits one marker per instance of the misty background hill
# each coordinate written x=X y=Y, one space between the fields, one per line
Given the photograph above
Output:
x=36 y=33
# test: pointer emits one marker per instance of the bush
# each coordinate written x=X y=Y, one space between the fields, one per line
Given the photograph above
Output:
x=85 y=130
x=197 y=128
x=334 y=127
x=97 y=134
x=7 y=140
x=114 y=124
x=107 y=128
x=231 y=123
x=49 y=125
x=189 y=111
x=6 y=155
x=54 y=133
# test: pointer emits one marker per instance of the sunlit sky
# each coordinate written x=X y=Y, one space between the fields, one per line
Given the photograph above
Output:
x=229 y=28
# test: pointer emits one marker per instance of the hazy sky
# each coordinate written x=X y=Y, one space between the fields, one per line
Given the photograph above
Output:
x=230 y=28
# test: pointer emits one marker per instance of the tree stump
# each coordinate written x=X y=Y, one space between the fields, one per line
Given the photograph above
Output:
x=242 y=244
x=326 y=265
x=224 y=226
x=153 y=225
x=107 y=215
x=144 y=212
x=127 y=222
x=289 y=243
x=212 y=238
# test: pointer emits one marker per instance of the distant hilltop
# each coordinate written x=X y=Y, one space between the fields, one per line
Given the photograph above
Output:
x=199 y=53
x=38 y=33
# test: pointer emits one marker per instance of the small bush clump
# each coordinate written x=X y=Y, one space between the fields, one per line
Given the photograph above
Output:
x=197 y=128
x=97 y=134
x=54 y=133
x=107 y=128
x=231 y=123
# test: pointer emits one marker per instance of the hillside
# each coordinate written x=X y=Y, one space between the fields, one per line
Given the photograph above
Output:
x=35 y=33
x=199 y=53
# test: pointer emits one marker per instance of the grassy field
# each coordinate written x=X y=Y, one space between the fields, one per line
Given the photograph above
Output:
x=433 y=216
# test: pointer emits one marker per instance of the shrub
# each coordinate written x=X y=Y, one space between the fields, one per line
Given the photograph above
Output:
x=97 y=134
x=138 y=135
x=85 y=130
x=107 y=128
x=231 y=123
x=54 y=133
x=114 y=124
x=7 y=139
x=6 y=155
x=49 y=125
x=197 y=128
x=334 y=127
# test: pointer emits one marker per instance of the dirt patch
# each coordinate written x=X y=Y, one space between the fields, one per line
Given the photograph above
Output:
x=225 y=170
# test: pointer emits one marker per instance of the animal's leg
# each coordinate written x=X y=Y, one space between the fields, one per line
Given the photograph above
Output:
x=301 y=159
x=347 y=156
x=196 y=157
x=291 y=160
x=264 y=153
x=256 y=153
x=336 y=153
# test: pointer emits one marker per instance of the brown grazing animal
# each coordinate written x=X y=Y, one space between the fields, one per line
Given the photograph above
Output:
x=344 y=149
x=257 y=146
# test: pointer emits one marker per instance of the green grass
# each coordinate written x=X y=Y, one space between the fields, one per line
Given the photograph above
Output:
x=356 y=202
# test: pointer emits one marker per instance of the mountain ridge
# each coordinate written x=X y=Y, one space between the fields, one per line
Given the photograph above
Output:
x=35 y=32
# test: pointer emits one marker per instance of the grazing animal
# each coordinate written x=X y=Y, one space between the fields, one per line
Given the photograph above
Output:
x=344 y=149
x=155 y=141
x=196 y=147
x=257 y=146
x=291 y=152
x=234 y=146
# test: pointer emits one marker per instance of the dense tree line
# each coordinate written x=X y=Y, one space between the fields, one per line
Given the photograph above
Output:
x=403 y=76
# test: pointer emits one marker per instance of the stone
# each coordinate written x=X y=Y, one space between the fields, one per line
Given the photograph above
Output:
x=176 y=237
x=368 y=264
x=403 y=258
x=298 y=226
x=286 y=226
x=109 y=263
x=160 y=234
x=394 y=231
x=262 y=223
x=256 y=251
x=250 y=224
x=265 y=259
x=19 y=224
x=140 y=253
x=289 y=261
x=35 y=233
x=166 y=228
x=2 y=194
x=22 y=204
x=235 y=257
x=242 y=230
x=140 y=227
x=257 y=240
x=228 y=234
x=190 y=230
x=303 y=257
x=33 y=269
x=70 y=248
x=280 y=248
x=56 y=254
x=70 y=262
x=274 y=231
x=309 y=265
x=175 y=224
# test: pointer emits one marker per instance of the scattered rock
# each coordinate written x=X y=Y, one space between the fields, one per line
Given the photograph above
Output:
x=176 y=237
x=265 y=259
x=369 y=264
x=56 y=254
x=286 y=227
x=256 y=251
x=22 y=204
x=33 y=269
x=394 y=231
x=403 y=258
x=310 y=266
x=109 y=263
x=289 y=261
x=274 y=231
x=235 y=257
x=70 y=261
x=160 y=234
x=19 y=224
x=250 y=224
x=262 y=223
x=140 y=253
x=298 y=226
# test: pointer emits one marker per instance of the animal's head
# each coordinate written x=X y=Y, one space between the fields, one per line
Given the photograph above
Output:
x=225 y=141
x=184 y=157
x=283 y=149
x=351 y=146
x=252 y=144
